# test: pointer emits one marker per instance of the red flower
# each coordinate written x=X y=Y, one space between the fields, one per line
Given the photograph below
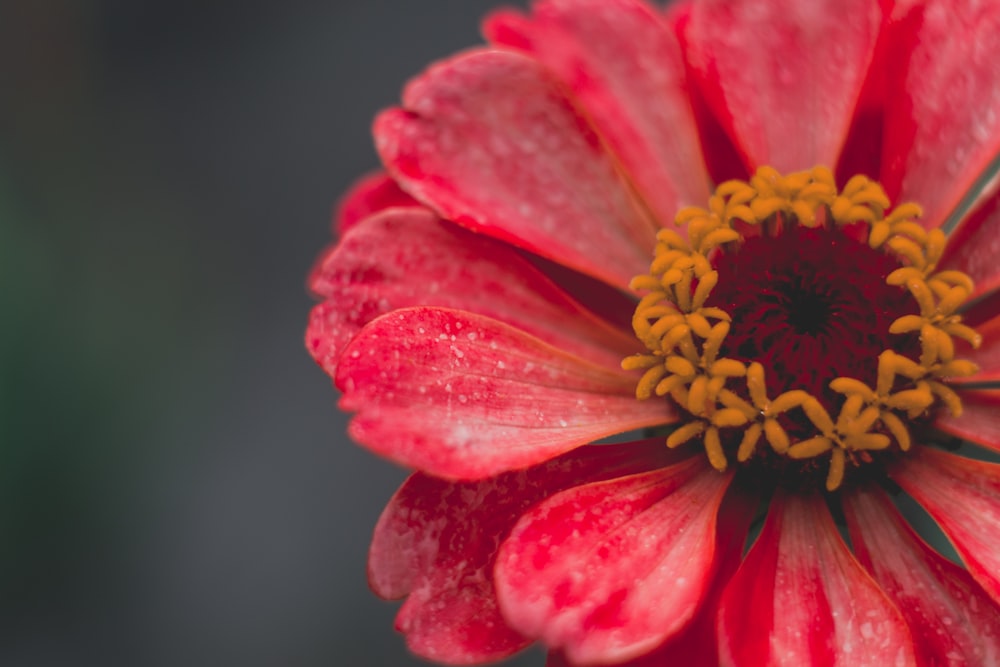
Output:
x=803 y=347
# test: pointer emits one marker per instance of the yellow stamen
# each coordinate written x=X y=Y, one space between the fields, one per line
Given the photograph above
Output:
x=835 y=476
x=749 y=442
x=685 y=433
x=713 y=447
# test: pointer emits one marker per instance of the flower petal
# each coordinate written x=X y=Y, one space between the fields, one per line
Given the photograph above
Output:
x=963 y=496
x=975 y=244
x=984 y=304
x=973 y=248
x=784 y=76
x=489 y=140
x=459 y=395
x=800 y=598
x=694 y=645
x=951 y=618
x=942 y=128
x=625 y=67
x=723 y=158
x=608 y=571
x=369 y=195
x=409 y=257
x=437 y=542
x=987 y=357
x=980 y=419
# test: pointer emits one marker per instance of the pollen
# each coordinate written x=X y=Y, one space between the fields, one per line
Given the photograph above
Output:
x=733 y=376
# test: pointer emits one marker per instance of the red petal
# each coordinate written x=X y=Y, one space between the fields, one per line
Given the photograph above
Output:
x=324 y=335
x=626 y=69
x=460 y=395
x=975 y=245
x=973 y=248
x=980 y=420
x=952 y=620
x=987 y=356
x=401 y=258
x=942 y=127
x=437 y=541
x=984 y=305
x=695 y=645
x=800 y=598
x=371 y=194
x=862 y=152
x=608 y=571
x=963 y=496
x=488 y=139
x=784 y=76
x=721 y=155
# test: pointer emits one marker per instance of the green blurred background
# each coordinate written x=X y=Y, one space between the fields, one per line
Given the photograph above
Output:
x=175 y=483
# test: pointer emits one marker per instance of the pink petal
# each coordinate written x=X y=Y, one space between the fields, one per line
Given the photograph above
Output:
x=942 y=126
x=488 y=139
x=625 y=68
x=800 y=598
x=437 y=541
x=963 y=496
x=980 y=419
x=369 y=195
x=459 y=395
x=608 y=571
x=784 y=76
x=952 y=620
x=408 y=257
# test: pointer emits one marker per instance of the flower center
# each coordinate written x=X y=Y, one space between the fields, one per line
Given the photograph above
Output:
x=789 y=302
x=809 y=317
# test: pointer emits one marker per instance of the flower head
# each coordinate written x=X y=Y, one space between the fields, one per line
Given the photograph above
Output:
x=635 y=281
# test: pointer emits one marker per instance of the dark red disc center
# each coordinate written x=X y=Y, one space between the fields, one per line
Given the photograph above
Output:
x=811 y=305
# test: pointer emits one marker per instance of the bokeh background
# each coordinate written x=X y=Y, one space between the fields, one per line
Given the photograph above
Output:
x=175 y=484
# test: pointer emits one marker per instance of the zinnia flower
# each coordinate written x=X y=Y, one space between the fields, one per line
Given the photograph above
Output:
x=637 y=282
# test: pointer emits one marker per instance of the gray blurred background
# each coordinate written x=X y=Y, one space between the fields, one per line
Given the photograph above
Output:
x=175 y=483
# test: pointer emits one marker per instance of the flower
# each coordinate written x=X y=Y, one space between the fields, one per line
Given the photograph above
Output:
x=546 y=265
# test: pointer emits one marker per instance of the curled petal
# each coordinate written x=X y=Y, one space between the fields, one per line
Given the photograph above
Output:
x=608 y=571
x=694 y=646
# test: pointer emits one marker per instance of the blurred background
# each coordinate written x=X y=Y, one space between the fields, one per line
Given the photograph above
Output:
x=175 y=484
